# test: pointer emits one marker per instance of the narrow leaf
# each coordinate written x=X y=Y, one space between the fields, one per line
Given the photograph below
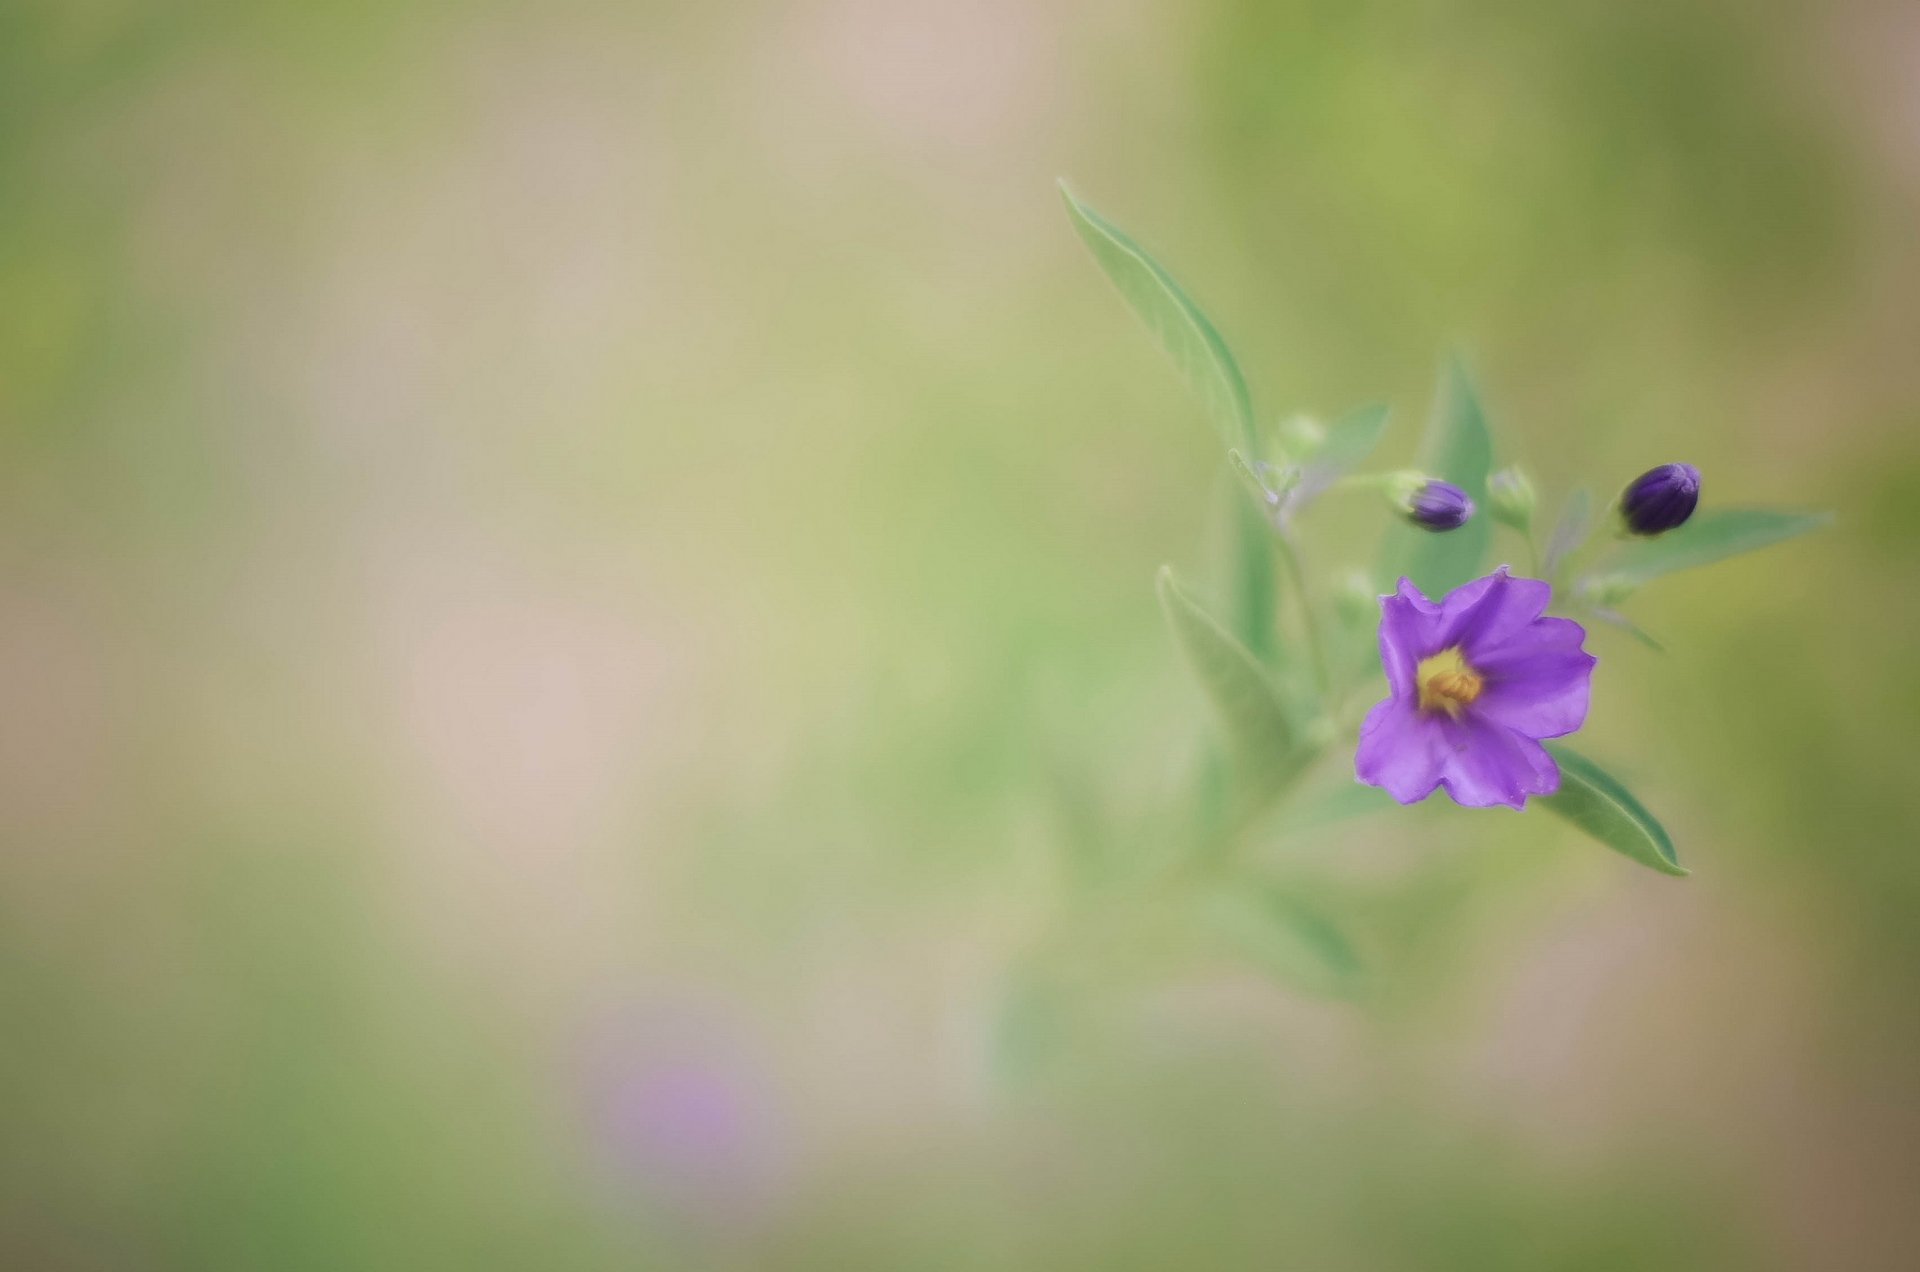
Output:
x=1284 y=937
x=1617 y=619
x=1458 y=449
x=1713 y=535
x=1249 y=706
x=1593 y=800
x=1350 y=439
x=1176 y=322
x=1570 y=532
x=1255 y=597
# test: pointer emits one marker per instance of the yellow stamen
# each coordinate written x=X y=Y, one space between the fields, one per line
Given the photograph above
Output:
x=1446 y=682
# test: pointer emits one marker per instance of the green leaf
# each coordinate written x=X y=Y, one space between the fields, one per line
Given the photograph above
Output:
x=1255 y=598
x=1350 y=439
x=1458 y=449
x=1627 y=625
x=1593 y=800
x=1713 y=535
x=1283 y=936
x=1202 y=357
x=1341 y=801
x=1249 y=705
x=1176 y=322
x=1570 y=532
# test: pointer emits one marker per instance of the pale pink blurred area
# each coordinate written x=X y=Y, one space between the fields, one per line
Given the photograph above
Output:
x=55 y=694
x=573 y=579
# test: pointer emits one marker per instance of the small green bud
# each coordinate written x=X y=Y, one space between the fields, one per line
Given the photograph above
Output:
x=1357 y=600
x=1608 y=589
x=1301 y=436
x=1510 y=498
x=1401 y=486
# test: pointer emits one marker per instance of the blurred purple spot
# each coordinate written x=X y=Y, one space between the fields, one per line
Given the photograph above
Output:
x=679 y=1116
x=683 y=1110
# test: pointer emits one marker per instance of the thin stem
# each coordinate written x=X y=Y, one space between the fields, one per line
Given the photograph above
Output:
x=1297 y=579
x=1533 y=549
x=1361 y=481
x=1570 y=563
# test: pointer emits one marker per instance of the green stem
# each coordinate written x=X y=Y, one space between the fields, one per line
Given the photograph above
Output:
x=1362 y=481
x=1533 y=552
x=1297 y=579
x=1571 y=563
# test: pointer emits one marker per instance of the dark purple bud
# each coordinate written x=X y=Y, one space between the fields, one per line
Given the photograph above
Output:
x=1437 y=505
x=1657 y=501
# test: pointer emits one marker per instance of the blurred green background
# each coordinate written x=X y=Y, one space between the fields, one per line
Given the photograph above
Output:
x=573 y=578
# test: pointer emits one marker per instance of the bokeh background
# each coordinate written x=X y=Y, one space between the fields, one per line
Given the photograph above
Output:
x=574 y=579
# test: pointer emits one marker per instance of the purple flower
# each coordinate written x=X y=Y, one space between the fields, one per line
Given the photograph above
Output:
x=1437 y=506
x=1476 y=681
x=1661 y=499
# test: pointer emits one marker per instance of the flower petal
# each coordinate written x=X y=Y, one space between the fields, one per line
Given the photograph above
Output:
x=1539 y=683
x=1540 y=696
x=1488 y=764
x=1409 y=626
x=1401 y=751
x=1542 y=635
x=1490 y=611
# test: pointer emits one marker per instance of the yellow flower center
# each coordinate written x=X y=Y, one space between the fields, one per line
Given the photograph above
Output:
x=1446 y=682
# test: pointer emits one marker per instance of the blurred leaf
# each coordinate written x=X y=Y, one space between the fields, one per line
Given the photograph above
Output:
x=1255 y=484
x=1254 y=592
x=1030 y=1026
x=1249 y=705
x=1710 y=536
x=1256 y=597
x=1341 y=801
x=1615 y=618
x=1283 y=936
x=1213 y=794
x=1591 y=799
x=1570 y=531
x=1176 y=322
x=1081 y=821
x=1202 y=357
x=1458 y=449
x=1350 y=439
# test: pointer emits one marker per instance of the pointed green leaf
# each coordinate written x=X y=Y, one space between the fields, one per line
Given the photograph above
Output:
x=1249 y=706
x=1202 y=357
x=1350 y=439
x=1570 y=532
x=1458 y=449
x=1593 y=800
x=1283 y=936
x=1176 y=322
x=1713 y=535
